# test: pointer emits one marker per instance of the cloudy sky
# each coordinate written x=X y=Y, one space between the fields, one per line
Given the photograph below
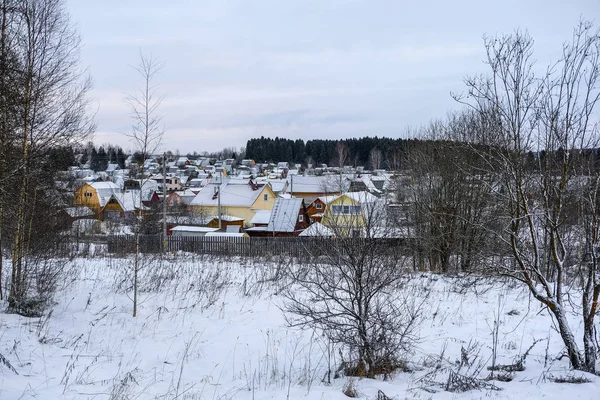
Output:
x=237 y=69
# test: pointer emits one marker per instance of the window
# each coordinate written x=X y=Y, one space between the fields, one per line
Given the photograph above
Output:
x=88 y=194
x=301 y=218
x=345 y=210
x=266 y=197
x=319 y=206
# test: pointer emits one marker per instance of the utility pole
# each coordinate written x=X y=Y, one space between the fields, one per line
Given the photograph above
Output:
x=292 y=185
x=219 y=197
x=164 y=190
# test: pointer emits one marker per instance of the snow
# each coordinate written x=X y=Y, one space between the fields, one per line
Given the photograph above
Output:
x=261 y=217
x=317 y=229
x=183 y=228
x=213 y=329
x=284 y=215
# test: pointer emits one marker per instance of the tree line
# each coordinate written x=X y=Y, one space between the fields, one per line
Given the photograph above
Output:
x=324 y=151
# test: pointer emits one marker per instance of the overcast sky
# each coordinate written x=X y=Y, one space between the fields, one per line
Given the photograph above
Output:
x=237 y=69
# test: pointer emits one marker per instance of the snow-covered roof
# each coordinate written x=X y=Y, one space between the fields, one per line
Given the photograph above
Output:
x=311 y=184
x=257 y=229
x=317 y=229
x=105 y=190
x=261 y=217
x=227 y=234
x=130 y=200
x=278 y=185
x=183 y=228
x=362 y=197
x=81 y=211
x=233 y=194
x=186 y=196
x=284 y=215
x=328 y=199
x=359 y=197
x=366 y=179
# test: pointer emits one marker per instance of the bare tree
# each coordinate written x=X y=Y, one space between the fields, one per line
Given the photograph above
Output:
x=375 y=158
x=545 y=122
x=146 y=135
x=353 y=291
x=451 y=197
x=46 y=107
x=341 y=155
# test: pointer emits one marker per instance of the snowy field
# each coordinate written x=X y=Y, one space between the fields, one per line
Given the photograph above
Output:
x=214 y=329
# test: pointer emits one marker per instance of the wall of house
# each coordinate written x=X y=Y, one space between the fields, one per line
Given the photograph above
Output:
x=81 y=199
x=342 y=222
x=261 y=204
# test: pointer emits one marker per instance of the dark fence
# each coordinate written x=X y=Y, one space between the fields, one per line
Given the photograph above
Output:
x=252 y=246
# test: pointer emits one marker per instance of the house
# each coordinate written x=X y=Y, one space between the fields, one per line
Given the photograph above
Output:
x=279 y=186
x=238 y=198
x=180 y=198
x=228 y=222
x=350 y=213
x=182 y=162
x=124 y=206
x=111 y=168
x=287 y=218
x=95 y=195
x=316 y=209
x=172 y=183
x=150 y=188
x=363 y=183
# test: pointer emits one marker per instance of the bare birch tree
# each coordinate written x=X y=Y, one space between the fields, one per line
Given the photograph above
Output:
x=40 y=50
x=551 y=118
x=146 y=134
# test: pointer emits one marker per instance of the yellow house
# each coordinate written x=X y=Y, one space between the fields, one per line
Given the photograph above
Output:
x=239 y=199
x=95 y=195
x=348 y=214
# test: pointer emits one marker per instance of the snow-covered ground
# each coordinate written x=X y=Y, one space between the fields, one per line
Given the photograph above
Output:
x=210 y=329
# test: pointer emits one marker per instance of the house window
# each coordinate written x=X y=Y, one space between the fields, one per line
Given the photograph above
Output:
x=345 y=210
x=266 y=197
x=301 y=218
x=88 y=194
x=319 y=206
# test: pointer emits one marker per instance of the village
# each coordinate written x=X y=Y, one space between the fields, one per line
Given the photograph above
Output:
x=205 y=197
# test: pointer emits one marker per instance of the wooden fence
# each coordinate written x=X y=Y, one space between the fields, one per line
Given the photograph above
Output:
x=251 y=246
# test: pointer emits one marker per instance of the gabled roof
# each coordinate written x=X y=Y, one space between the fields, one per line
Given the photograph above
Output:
x=130 y=200
x=317 y=229
x=105 y=190
x=278 y=185
x=186 y=196
x=359 y=197
x=284 y=215
x=233 y=194
x=362 y=197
